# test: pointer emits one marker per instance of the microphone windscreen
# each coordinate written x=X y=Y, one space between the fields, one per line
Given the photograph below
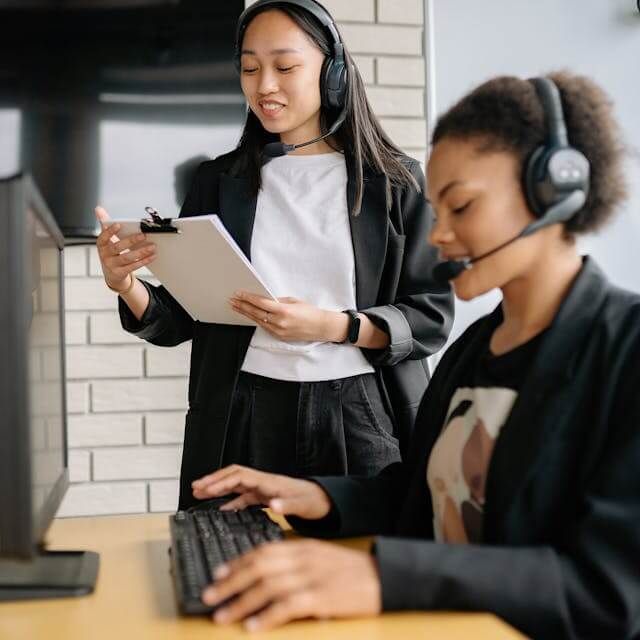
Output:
x=448 y=270
x=274 y=150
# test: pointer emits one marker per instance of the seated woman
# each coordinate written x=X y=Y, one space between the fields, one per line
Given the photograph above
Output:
x=521 y=495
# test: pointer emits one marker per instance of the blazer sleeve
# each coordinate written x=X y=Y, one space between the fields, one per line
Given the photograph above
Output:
x=165 y=322
x=588 y=589
x=420 y=318
x=360 y=505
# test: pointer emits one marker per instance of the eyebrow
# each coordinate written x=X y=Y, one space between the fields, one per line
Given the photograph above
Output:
x=453 y=183
x=273 y=52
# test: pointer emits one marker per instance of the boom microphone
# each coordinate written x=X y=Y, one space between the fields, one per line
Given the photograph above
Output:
x=277 y=149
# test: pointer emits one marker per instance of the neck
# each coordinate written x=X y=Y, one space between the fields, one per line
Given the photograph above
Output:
x=531 y=301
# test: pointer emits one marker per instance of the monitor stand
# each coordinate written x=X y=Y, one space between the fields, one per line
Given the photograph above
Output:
x=49 y=574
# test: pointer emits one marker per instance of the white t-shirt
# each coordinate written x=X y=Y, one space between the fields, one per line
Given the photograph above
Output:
x=301 y=246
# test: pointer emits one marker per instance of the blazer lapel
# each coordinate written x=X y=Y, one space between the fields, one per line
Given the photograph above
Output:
x=369 y=232
x=531 y=419
x=237 y=210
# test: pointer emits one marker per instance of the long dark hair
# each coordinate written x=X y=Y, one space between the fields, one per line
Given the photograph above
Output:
x=360 y=135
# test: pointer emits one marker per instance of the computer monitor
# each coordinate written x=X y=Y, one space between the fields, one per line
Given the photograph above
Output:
x=34 y=472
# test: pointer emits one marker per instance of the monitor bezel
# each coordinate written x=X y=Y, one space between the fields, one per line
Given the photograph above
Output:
x=24 y=531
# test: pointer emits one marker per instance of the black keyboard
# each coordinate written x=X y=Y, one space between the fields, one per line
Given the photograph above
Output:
x=204 y=538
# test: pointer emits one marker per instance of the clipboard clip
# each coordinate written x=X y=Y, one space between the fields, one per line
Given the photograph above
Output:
x=155 y=223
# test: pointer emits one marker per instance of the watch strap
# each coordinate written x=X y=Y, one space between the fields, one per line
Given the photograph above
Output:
x=353 y=331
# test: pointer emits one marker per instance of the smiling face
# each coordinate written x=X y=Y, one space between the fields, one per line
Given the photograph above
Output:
x=280 y=76
x=479 y=204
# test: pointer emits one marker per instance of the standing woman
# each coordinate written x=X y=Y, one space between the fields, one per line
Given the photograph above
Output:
x=330 y=380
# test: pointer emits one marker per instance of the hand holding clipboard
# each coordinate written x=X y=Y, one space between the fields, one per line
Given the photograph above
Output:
x=198 y=262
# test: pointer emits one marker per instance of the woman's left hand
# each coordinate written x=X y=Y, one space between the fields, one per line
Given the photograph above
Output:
x=291 y=319
x=282 y=581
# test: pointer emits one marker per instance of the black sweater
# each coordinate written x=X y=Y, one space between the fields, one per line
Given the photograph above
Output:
x=561 y=550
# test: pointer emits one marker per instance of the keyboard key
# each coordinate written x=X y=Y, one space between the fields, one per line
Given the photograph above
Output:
x=243 y=542
x=231 y=517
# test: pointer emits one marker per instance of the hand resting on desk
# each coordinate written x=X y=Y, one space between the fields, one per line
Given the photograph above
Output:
x=283 y=581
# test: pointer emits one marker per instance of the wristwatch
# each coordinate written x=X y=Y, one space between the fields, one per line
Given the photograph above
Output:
x=354 y=326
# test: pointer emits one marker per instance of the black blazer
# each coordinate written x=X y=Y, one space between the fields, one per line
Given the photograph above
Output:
x=394 y=287
x=561 y=556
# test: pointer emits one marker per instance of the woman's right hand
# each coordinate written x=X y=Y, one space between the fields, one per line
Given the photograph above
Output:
x=116 y=265
x=282 y=494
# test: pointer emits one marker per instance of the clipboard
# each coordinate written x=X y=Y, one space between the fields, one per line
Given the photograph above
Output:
x=200 y=264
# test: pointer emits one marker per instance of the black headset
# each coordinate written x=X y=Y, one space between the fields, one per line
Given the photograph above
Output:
x=555 y=179
x=334 y=76
x=555 y=171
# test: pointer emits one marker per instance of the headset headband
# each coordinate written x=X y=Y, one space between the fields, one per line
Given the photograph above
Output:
x=314 y=8
x=552 y=105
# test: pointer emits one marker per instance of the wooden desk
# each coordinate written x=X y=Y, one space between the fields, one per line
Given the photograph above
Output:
x=134 y=598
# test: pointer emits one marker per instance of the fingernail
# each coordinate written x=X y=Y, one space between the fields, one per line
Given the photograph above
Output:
x=221 y=615
x=221 y=572
x=237 y=294
x=252 y=624
x=209 y=595
x=276 y=505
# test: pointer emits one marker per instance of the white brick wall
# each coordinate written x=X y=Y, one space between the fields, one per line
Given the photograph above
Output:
x=164 y=428
x=139 y=395
x=95 y=499
x=163 y=495
x=100 y=430
x=401 y=71
x=400 y=11
x=126 y=399
x=136 y=463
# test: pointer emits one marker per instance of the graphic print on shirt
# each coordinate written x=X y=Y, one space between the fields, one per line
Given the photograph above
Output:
x=459 y=461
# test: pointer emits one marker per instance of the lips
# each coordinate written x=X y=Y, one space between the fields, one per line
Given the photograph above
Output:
x=270 y=108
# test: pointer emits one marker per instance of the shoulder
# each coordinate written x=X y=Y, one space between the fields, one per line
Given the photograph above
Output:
x=411 y=164
x=412 y=194
x=474 y=337
x=223 y=164
x=603 y=322
x=620 y=316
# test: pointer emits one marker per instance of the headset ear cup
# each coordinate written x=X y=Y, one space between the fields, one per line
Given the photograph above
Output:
x=341 y=83
x=534 y=174
x=333 y=84
x=324 y=83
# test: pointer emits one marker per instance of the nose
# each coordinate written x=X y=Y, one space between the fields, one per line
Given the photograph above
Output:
x=267 y=83
x=441 y=233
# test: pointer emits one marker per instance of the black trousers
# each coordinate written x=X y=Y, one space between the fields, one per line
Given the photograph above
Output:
x=332 y=427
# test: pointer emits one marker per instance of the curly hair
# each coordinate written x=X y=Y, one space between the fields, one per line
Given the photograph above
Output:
x=505 y=114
